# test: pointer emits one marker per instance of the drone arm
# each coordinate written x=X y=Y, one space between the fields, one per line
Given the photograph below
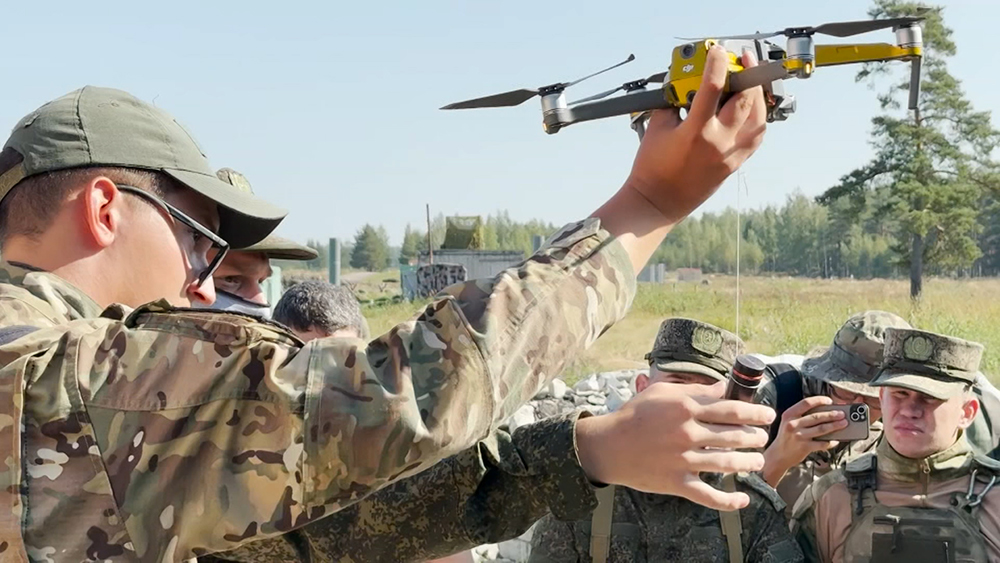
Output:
x=636 y=102
x=832 y=55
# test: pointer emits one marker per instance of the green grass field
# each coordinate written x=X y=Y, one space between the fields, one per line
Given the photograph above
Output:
x=780 y=315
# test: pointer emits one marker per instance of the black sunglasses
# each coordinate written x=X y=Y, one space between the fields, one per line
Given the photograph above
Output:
x=217 y=242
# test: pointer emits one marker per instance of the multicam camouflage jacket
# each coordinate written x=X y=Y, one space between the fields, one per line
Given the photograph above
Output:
x=654 y=528
x=489 y=493
x=164 y=434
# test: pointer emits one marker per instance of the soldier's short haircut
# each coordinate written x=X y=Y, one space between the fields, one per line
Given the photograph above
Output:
x=32 y=205
x=321 y=306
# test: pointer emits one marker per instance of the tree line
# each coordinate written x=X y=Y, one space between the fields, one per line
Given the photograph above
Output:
x=928 y=202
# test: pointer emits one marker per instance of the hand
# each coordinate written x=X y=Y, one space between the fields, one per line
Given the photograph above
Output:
x=795 y=439
x=681 y=164
x=660 y=441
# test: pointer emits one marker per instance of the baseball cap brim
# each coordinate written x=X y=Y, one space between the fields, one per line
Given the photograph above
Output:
x=244 y=219
x=279 y=248
x=938 y=388
x=669 y=366
x=823 y=368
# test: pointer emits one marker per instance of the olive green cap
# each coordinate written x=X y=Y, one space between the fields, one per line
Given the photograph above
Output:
x=853 y=360
x=96 y=126
x=690 y=346
x=933 y=364
x=273 y=246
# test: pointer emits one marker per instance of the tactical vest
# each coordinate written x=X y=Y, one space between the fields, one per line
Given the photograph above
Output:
x=884 y=534
x=600 y=525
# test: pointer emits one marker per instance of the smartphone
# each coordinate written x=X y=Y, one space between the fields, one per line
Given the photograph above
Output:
x=857 y=422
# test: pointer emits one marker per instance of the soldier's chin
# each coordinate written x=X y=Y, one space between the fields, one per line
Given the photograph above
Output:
x=911 y=443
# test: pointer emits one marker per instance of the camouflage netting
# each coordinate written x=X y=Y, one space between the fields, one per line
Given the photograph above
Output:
x=464 y=233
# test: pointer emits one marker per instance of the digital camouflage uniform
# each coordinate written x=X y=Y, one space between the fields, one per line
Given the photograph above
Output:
x=163 y=434
x=887 y=508
x=646 y=527
x=850 y=362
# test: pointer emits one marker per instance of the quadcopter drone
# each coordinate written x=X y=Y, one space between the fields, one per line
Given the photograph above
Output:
x=798 y=59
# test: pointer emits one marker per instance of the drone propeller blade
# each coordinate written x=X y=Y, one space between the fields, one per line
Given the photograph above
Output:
x=596 y=96
x=658 y=77
x=846 y=29
x=757 y=76
x=725 y=37
x=915 y=83
x=612 y=67
x=507 y=99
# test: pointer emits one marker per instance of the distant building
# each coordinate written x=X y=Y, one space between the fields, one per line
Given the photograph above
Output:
x=689 y=275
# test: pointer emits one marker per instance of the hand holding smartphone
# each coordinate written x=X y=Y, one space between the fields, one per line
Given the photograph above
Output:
x=856 y=414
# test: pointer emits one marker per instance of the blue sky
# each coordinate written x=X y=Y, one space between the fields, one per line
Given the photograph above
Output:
x=331 y=108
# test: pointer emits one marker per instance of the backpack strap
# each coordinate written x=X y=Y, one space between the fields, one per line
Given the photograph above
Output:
x=788 y=388
x=732 y=526
x=862 y=477
x=600 y=526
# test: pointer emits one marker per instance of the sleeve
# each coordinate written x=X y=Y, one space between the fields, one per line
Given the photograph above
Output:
x=769 y=540
x=554 y=541
x=489 y=493
x=255 y=434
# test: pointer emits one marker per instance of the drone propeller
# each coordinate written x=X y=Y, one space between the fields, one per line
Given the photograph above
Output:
x=517 y=97
x=628 y=87
x=837 y=29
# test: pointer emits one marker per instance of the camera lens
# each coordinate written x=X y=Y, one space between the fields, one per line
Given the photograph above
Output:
x=862 y=409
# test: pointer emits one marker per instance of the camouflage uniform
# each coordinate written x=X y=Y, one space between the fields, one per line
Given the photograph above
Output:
x=886 y=507
x=163 y=434
x=649 y=527
x=849 y=363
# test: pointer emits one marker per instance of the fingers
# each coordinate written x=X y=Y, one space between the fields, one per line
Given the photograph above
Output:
x=706 y=101
x=696 y=490
x=664 y=119
x=721 y=461
x=758 y=115
x=805 y=405
x=822 y=429
x=736 y=111
x=811 y=421
x=734 y=412
x=728 y=437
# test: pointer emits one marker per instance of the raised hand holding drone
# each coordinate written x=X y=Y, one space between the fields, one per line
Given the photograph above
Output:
x=798 y=59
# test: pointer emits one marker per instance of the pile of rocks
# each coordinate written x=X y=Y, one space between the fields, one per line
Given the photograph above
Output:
x=599 y=393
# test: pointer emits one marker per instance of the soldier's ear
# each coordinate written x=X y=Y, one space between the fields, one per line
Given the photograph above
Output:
x=969 y=410
x=641 y=382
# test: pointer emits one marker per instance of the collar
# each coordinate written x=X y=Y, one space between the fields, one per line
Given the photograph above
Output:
x=942 y=466
x=67 y=302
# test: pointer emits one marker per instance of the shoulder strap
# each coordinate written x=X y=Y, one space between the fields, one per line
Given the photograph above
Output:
x=600 y=527
x=9 y=334
x=862 y=476
x=732 y=526
x=788 y=388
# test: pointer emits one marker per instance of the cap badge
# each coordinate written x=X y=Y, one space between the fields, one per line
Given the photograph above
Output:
x=706 y=340
x=918 y=348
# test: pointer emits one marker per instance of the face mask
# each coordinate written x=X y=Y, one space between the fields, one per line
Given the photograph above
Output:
x=229 y=302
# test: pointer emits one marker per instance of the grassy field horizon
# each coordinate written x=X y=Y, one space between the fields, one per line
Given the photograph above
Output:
x=779 y=315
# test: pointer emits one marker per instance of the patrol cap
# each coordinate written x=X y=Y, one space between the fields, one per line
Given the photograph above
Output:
x=933 y=364
x=690 y=346
x=853 y=360
x=273 y=246
x=96 y=126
